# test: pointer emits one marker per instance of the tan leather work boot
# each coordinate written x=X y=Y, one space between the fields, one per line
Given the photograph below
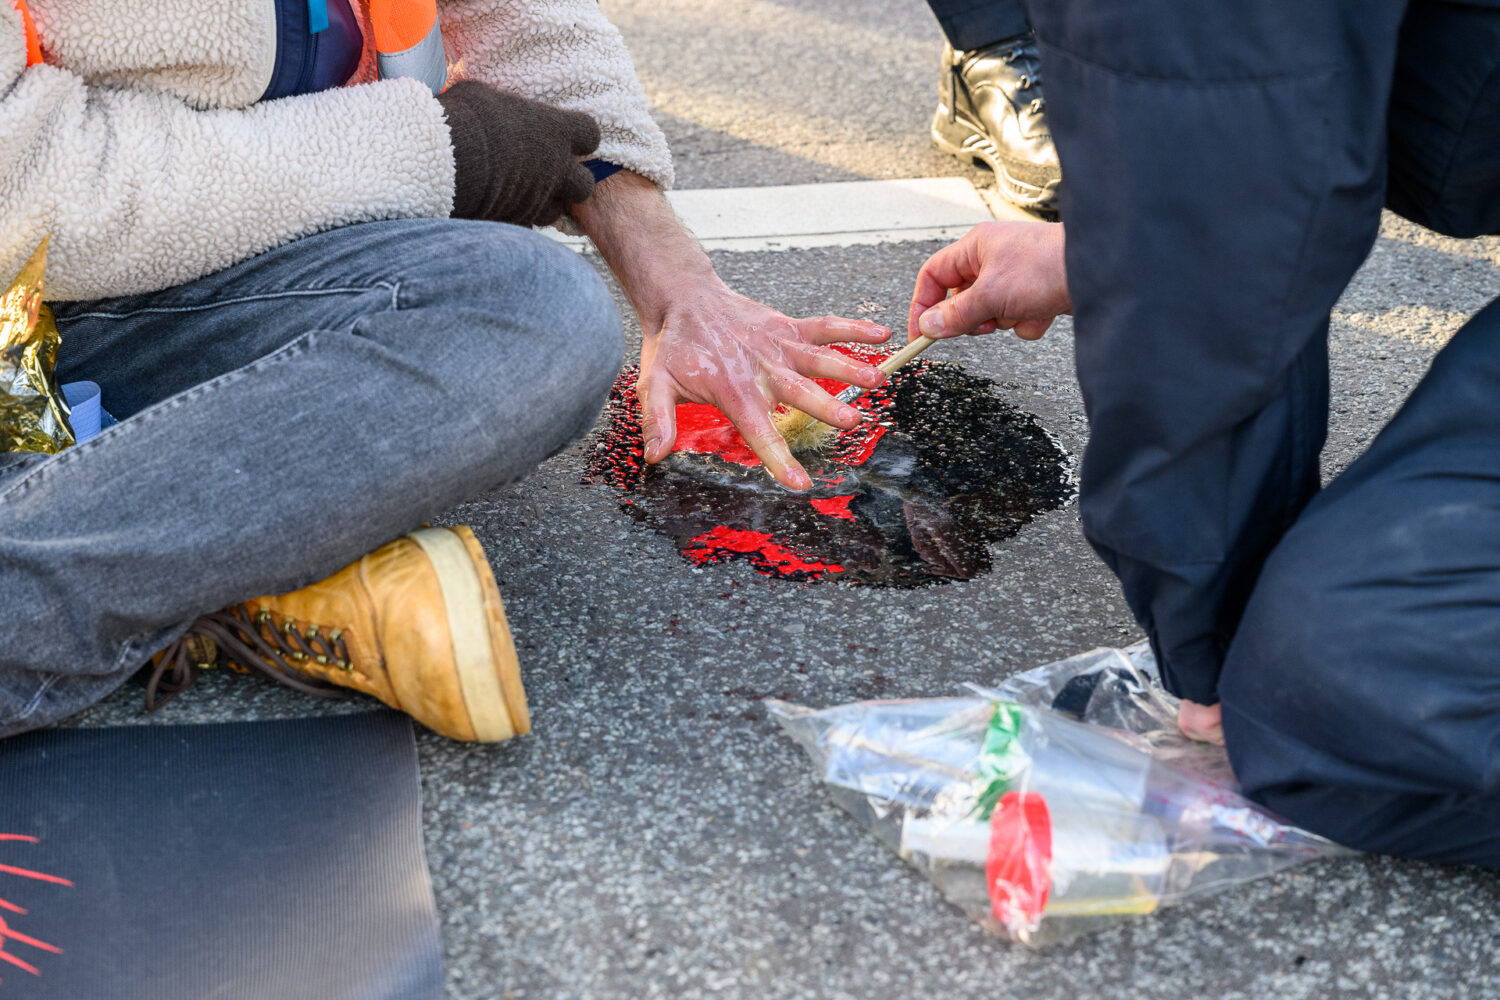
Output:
x=417 y=623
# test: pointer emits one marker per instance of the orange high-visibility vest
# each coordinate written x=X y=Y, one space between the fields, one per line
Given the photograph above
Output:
x=408 y=41
x=33 y=46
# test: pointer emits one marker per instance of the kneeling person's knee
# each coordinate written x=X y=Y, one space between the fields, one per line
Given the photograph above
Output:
x=1298 y=689
x=1336 y=709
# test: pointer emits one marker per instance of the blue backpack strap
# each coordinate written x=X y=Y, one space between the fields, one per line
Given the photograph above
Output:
x=318 y=47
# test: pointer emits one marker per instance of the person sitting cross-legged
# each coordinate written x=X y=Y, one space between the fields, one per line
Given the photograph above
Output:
x=310 y=290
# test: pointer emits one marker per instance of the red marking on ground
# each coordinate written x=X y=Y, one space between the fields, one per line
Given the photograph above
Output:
x=5 y=930
x=703 y=430
x=765 y=553
x=858 y=451
x=28 y=873
x=834 y=507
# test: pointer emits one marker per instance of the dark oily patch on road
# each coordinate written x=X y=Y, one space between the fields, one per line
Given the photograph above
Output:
x=913 y=496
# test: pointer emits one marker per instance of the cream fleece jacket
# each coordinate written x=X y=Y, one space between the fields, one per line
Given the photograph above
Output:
x=139 y=146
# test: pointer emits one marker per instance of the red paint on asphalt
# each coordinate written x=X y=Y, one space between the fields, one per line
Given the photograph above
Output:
x=764 y=552
x=834 y=507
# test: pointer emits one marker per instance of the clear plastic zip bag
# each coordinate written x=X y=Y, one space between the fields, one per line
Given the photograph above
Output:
x=1062 y=802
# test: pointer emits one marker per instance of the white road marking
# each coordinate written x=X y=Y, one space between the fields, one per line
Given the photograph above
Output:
x=843 y=213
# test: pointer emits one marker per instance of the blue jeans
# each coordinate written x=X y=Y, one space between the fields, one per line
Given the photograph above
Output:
x=278 y=420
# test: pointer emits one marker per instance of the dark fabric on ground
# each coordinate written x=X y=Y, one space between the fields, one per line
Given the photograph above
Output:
x=260 y=859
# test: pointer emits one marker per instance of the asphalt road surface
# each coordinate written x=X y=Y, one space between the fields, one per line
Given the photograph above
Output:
x=656 y=836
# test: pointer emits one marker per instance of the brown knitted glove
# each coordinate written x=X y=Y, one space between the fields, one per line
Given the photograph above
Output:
x=515 y=159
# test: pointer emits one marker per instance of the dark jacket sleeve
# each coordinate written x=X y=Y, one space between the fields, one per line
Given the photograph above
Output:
x=1224 y=170
x=1445 y=118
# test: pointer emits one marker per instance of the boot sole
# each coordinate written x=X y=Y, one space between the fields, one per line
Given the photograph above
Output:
x=489 y=674
x=965 y=140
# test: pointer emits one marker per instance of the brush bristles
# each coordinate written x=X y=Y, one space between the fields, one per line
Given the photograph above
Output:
x=802 y=432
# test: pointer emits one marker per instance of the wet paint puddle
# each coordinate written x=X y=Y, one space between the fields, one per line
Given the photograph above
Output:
x=914 y=497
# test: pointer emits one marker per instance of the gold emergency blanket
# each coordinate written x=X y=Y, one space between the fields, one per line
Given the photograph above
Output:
x=33 y=416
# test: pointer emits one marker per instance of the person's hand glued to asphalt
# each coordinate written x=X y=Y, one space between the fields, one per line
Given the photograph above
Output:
x=745 y=358
x=516 y=160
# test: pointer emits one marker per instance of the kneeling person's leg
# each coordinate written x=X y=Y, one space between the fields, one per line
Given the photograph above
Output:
x=973 y=24
x=1362 y=693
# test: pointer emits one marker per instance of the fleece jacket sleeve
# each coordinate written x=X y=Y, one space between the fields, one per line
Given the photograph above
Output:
x=140 y=191
x=567 y=53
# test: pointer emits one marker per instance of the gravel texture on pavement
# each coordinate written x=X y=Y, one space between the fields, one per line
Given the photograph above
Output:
x=656 y=836
x=755 y=92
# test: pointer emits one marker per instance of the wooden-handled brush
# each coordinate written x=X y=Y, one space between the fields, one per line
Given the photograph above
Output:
x=806 y=433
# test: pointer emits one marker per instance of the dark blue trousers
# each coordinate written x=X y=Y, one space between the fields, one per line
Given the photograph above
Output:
x=1362 y=692
x=1227 y=164
x=973 y=24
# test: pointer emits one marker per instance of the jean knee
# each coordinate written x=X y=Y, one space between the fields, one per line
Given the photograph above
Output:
x=591 y=350
x=574 y=298
x=600 y=339
x=535 y=341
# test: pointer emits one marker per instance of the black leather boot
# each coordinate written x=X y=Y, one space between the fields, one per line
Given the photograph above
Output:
x=991 y=111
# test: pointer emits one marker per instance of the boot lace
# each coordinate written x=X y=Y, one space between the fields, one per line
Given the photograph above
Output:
x=1031 y=75
x=243 y=642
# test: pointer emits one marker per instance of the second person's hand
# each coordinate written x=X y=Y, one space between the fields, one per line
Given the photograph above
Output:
x=1000 y=275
